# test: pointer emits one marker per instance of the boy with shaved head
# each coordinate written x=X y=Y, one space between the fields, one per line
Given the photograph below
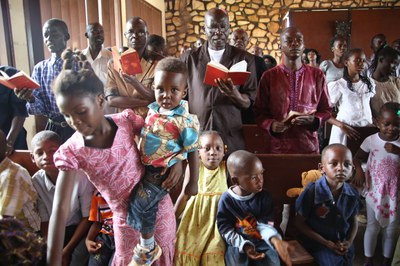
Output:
x=244 y=216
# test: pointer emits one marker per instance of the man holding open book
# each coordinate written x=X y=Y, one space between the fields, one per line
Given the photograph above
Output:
x=131 y=89
x=219 y=106
x=292 y=100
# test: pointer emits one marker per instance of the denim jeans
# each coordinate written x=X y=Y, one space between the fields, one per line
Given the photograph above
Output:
x=234 y=258
x=144 y=199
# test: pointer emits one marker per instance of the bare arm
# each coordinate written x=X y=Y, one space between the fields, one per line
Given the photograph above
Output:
x=348 y=130
x=17 y=124
x=147 y=93
x=192 y=186
x=241 y=100
x=124 y=102
x=180 y=203
x=360 y=157
x=90 y=242
x=80 y=232
x=58 y=219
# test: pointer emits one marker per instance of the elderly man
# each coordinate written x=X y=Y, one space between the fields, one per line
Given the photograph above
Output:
x=219 y=108
x=292 y=86
x=125 y=91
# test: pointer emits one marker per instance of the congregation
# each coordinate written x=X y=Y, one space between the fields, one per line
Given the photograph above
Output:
x=110 y=148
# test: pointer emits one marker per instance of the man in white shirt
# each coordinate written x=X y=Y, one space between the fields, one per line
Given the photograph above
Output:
x=96 y=55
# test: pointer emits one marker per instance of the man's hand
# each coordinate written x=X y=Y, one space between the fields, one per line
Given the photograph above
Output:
x=303 y=120
x=279 y=127
x=252 y=253
x=283 y=248
x=24 y=94
x=350 y=132
x=227 y=87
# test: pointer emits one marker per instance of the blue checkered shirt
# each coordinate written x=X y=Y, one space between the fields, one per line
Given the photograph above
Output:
x=44 y=73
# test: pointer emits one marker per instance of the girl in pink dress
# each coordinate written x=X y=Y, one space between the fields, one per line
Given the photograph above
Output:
x=105 y=148
x=382 y=150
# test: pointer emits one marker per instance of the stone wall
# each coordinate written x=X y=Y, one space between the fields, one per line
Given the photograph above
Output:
x=262 y=19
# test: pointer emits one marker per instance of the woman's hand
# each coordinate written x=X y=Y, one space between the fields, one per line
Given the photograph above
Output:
x=175 y=175
x=349 y=131
x=24 y=94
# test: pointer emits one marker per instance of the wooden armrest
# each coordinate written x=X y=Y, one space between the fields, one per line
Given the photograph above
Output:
x=299 y=255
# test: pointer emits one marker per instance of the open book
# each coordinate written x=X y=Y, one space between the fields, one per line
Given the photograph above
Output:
x=19 y=80
x=128 y=61
x=237 y=73
x=293 y=114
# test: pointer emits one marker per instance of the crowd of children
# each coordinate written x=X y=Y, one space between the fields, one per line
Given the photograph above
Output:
x=101 y=198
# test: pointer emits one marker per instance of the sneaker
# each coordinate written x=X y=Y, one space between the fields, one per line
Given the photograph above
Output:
x=361 y=218
x=144 y=256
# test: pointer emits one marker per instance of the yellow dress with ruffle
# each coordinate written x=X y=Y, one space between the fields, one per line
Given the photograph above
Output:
x=198 y=241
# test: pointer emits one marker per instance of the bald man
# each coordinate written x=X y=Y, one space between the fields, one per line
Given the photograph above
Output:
x=292 y=86
x=219 y=108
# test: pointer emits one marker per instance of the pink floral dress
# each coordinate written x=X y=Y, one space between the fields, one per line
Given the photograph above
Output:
x=115 y=172
x=383 y=177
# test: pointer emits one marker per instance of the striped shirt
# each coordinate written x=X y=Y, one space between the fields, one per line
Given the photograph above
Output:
x=101 y=212
x=18 y=197
x=44 y=73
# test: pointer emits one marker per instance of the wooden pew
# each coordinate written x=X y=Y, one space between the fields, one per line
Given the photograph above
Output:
x=23 y=157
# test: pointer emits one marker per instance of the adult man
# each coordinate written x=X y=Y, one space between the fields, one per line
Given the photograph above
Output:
x=96 y=55
x=240 y=39
x=125 y=91
x=292 y=86
x=218 y=108
x=41 y=101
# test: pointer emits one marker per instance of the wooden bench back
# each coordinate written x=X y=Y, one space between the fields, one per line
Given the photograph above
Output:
x=23 y=158
x=283 y=171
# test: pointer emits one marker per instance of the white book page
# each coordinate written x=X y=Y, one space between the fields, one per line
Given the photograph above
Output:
x=239 y=67
x=218 y=66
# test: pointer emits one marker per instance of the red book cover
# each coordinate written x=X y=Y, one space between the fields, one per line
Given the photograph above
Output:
x=237 y=73
x=128 y=61
x=19 y=80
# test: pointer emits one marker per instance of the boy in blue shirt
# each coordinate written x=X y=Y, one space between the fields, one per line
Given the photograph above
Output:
x=326 y=210
x=244 y=216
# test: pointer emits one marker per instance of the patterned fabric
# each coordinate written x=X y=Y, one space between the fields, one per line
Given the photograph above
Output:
x=115 y=172
x=383 y=177
x=167 y=138
x=17 y=194
x=200 y=243
x=80 y=200
x=44 y=73
x=354 y=108
x=280 y=91
x=101 y=212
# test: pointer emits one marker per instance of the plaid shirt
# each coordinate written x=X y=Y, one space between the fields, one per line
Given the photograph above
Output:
x=44 y=73
x=18 y=197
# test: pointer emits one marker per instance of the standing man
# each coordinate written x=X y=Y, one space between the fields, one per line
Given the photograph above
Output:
x=292 y=86
x=219 y=108
x=240 y=39
x=41 y=101
x=125 y=91
x=96 y=55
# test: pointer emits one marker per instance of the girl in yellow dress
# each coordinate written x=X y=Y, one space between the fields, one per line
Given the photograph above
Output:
x=198 y=241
